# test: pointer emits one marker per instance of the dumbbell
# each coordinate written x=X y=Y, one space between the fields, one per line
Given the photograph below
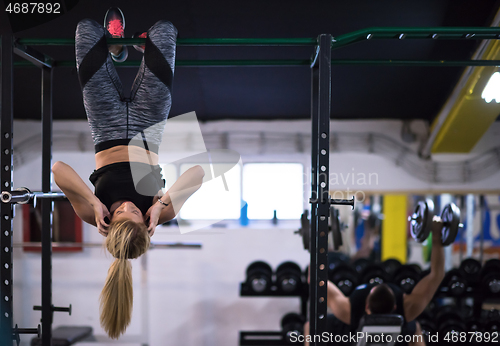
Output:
x=391 y=265
x=360 y=264
x=289 y=278
x=449 y=319
x=259 y=277
x=455 y=283
x=407 y=276
x=335 y=259
x=471 y=269
x=374 y=274
x=345 y=278
x=292 y=323
x=421 y=222
x=427 y=325
x=474 y=326
x=492 y=324
x=490 y=277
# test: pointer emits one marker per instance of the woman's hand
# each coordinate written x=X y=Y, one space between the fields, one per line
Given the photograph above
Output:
x=153 y=214
x=101 y=213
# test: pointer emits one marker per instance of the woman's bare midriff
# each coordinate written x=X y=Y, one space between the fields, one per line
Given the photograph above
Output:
x=125 y=153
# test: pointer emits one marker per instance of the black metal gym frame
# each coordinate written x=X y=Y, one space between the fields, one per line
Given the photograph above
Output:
x=45 y=63
x=320 y=203
x=320 y=112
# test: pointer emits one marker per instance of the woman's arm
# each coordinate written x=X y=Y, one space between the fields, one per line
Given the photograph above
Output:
x=176 y=196
x=83 y=200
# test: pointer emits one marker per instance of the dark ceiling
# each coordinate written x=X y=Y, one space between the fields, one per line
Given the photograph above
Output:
x=358 y=92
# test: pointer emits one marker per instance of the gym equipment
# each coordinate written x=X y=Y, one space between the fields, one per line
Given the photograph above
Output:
x=492 y=321
x=292 y=323
x=427 y=325
x=421 y=222
x=451 y=222
x=391 y=265
x=490 y=277
x=449 y=319
x=24 y=195
x=65 y=335
x=259 y=277
x=305 y=229
x=289 y=278
x=320 y=95
x=406 y=277
x=336 y=258
x=455 y=283
x=335 y=226
x=345 y=278
x=471 y=269
x=372 y=326
x=16 y=332
x=360 y=264
x=374 y=273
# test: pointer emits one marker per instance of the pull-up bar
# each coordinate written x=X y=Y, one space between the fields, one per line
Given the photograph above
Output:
x=442 y=33
x=400 y=33
x=290 y=62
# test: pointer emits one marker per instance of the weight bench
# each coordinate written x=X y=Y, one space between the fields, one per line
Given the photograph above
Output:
x=372 y=327
x=65 y=335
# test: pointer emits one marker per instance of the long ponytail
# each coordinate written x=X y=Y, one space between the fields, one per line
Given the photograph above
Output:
x=126 y=239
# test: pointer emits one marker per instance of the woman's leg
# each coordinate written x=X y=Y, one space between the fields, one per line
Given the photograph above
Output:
x=151 y=97
x=101 y=86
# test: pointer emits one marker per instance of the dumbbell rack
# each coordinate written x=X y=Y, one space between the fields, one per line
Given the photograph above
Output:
x=270 y=338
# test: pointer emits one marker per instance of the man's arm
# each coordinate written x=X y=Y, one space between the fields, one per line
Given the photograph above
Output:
x=338 y=303
x=418 y=337
x=422 y=294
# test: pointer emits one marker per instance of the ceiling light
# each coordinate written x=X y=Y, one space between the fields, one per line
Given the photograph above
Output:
x=492 y=89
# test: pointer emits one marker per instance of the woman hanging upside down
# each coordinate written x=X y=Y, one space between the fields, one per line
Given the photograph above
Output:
x=128 y=203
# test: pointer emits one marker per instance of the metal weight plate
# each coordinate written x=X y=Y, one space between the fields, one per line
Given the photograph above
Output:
x=391 y=265
x=421 y=220
x=259 y=277
x=305 y=229
x=451 y=221
x=335 y=226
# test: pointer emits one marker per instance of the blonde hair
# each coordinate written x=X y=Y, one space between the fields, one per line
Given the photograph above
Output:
x=126 y=240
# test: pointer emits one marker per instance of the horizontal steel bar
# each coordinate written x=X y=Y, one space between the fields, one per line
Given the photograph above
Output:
x=223 y=63
x=24 y=195
x=153 y=245
x=181 y=41
x=390 y=62
x=477 y=33
x=32 y=55
x=190 y=63
x=341 y=40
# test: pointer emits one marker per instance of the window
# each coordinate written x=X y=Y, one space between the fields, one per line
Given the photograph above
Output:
x=169 y=173
x=273 y=186
x=212 y=201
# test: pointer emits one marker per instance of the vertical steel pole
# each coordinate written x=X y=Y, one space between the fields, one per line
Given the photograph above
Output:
x=6 y=209
x=320 y=108
x=46 y=205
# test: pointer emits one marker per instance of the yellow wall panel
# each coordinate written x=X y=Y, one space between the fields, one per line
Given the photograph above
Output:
x=394 y=227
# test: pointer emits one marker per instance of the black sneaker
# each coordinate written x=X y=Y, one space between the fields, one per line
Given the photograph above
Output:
x=140 y=35
x=114 y=22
